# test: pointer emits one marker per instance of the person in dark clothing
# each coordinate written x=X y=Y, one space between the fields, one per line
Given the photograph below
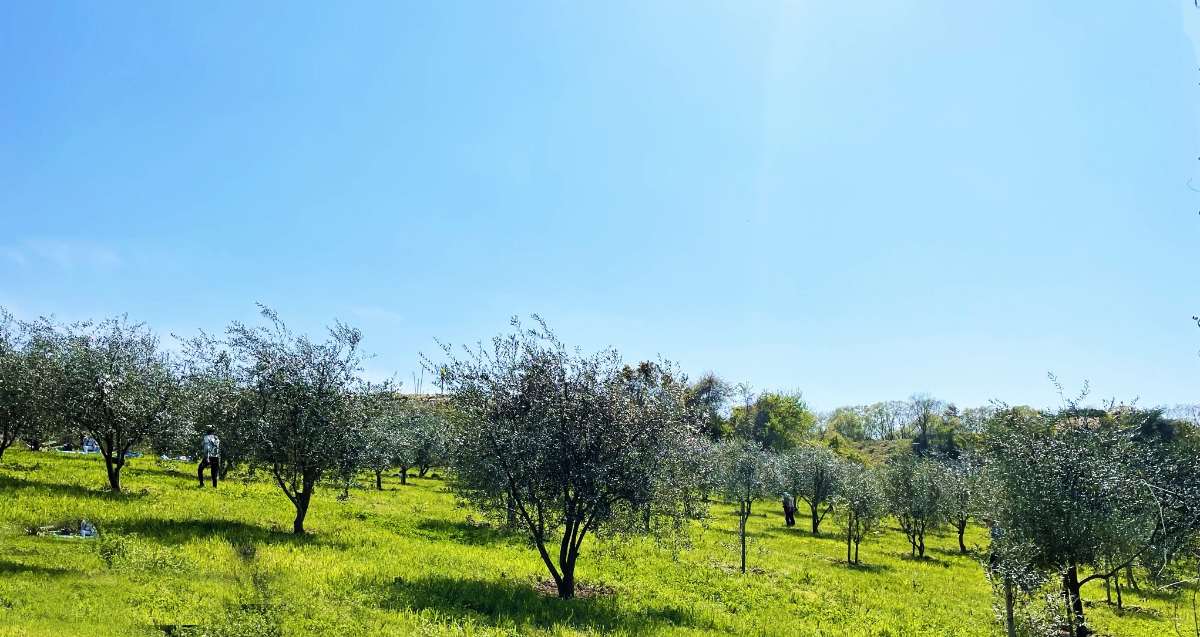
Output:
x=789 y=509
x=210 y=456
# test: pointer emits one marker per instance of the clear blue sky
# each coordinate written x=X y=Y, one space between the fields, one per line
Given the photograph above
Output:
x=855 y=199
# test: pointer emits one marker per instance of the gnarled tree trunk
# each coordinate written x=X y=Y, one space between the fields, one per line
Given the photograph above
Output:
x=1074 y=601
x=112 y=466
x=302 y=501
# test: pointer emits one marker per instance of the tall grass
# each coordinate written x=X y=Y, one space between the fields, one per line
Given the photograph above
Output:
x=176 y=559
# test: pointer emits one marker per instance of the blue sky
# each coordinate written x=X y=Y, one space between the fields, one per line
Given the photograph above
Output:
x=856 y=200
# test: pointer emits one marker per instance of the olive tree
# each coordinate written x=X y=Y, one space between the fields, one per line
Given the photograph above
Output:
x=1076 y=490
x=308 y=402
x=685 y=475
x=861 y=504
x=422 y=439
x=962 y=483
x=111 y=381
x=562 y=439
x=23 y=412
x=427 y=441
x=746 y=473
x=914 y=494
x=214 y=397
x=811 y=473
x=1171 y=453
x=381 y=444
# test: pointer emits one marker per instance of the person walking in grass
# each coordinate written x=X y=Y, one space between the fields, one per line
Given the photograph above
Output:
x=789 y=509
x=210 y=456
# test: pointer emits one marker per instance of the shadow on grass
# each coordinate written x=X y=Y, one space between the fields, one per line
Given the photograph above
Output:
x=17 y=568
x=505 y=602
x=154 y=469
x=867 y=567
x=1147 y=591
x=466 y=533
x=954 y=554
x=20 y=468
x=926 y=559
x=1131 y=610
x=804 y=533
x=67 y=490
x=237 y=533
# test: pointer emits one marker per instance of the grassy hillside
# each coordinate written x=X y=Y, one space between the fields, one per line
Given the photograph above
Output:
x=410 y=560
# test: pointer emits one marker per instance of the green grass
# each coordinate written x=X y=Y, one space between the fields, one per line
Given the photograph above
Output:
x=411 y=560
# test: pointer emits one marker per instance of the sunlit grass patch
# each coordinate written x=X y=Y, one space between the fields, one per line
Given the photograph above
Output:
x=412 y=560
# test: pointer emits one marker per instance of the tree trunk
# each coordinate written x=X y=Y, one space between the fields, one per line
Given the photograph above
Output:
x=112 y=466
x=1067 y=607
x=1117 y=581
x=1010 y=622
x=510 y=513
x=816 y=520
x=302 y=500
x=921 y=545
x=421 y=471
x=404 y=475
x=1071 y=584
x=742 y=533
x=379 y=480
x=848 y=539
x=566 y=586
x=962 y=530
x=1129 y=577
x=856 y=552
x=540 y=543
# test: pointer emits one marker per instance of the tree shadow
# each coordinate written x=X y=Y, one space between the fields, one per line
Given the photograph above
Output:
x=508 y=602
x=466 y=533
x=867 y=567
x=16 y=568
x=1148 y=591
x=953 y=554
x=65 y=490
x=921 y=559
x=804 y=533
x=21 y=468
x=1135 y=611
x=236 y=532
x=152 y=468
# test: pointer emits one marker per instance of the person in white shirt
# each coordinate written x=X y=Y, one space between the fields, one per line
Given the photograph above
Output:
x=210 y=456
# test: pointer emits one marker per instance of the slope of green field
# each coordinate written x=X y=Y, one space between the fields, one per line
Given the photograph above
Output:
x=411 y=560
